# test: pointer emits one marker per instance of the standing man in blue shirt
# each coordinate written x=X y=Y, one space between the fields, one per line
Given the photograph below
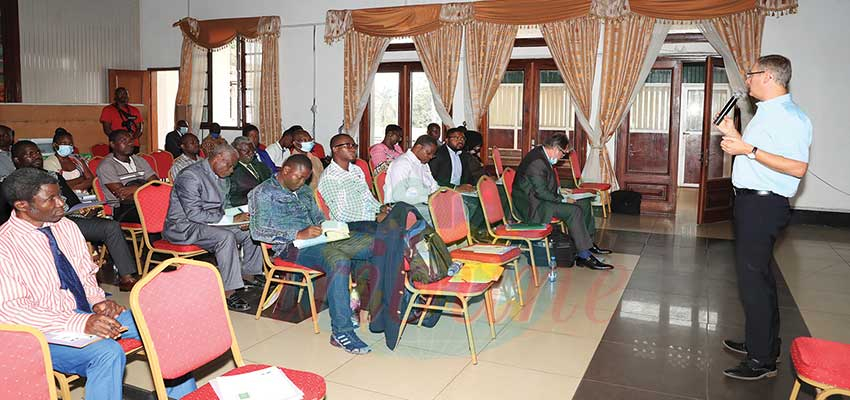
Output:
x=770 y=159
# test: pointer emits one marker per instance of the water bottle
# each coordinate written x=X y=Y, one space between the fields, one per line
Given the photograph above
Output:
x=552 y=265
x=454 y=268
x=355 y=306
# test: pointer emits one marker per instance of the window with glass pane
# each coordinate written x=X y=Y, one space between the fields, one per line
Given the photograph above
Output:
x=556 y=113
x=422 y=110
x=649 y=124
x=383 y=104
x=225 y=86
x=253 y=52
x=505 y=115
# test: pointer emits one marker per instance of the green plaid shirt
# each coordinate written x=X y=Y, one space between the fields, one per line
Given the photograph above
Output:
x=347 y=195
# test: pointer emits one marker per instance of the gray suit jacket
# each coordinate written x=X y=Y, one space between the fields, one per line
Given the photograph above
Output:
x=196 y=200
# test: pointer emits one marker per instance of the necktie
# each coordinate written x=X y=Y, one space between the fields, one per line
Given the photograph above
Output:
x=68 y=279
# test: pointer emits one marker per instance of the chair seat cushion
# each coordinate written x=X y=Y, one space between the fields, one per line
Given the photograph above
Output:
x=596 y=186
x=822 y=361
x=131 y=225
x=129 y=345
x=163 y=244
x=583 y=190
x=501 y=230
x=291 y=265
x=311 y=384
x=461 y=288
x=466 y=255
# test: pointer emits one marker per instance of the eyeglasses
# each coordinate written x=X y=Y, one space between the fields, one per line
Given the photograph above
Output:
x=348 y=145
x=749 y=74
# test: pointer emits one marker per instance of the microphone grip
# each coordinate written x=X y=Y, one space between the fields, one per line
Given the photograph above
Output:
x=726 y=108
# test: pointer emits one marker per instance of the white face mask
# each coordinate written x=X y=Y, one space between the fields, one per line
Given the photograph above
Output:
x=65 y=150
x=183 y=130
x=307 y=146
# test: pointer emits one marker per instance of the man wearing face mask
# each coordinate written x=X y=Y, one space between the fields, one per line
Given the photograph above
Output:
x=303 y=143
x=409 y=179
x=213 y=140
x=172 y=139
x=537 y=198
x=120 y=115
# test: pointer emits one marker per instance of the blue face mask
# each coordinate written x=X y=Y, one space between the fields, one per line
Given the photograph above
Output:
x=553 y=160
x=182 y=130
x=307 y=146
x=215 y=135
x=64 y=150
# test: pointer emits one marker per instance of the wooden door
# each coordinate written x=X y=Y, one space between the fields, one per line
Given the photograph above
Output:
x=648 y=140
x=715 y=190
x=138 y=85
x=507 y=123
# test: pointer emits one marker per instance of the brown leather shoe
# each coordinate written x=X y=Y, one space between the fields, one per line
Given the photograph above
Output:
x=126 y=283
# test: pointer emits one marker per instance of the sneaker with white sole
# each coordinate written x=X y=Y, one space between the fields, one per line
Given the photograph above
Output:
x=349 y=342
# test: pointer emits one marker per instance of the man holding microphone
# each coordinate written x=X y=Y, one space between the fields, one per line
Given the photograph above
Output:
x=770 y=159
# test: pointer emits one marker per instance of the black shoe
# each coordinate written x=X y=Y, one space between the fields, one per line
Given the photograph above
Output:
x=741 y=348
x=258 y=281
x=751 y=370
x=593 y=263
x=237 y=303
x=598 y=250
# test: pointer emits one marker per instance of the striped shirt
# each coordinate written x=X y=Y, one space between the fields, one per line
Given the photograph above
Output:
x=29 y=283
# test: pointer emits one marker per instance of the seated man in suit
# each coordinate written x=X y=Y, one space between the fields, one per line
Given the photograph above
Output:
x=198 y=200
x=25 y=154
x=122 y=173
x=247 y=174
x=537 y=199
x=48 y=282
x=173 y=138
x=283 y=210
x=447 y=165
x=252 y=132
x=409 y=179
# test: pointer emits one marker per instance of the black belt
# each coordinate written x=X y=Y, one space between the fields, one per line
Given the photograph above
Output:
x=740 y=191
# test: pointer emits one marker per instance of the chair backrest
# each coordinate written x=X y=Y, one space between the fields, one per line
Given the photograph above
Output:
x=508 y=177
x=182 y=318
x=448 y=214
x=98 y=192
x=151 y=161
x=497 y=160
x=367 y=173
x=164 y=160
x=94 y=163
x=26 y=371
x=152 y=201
x=320 y=201
x=575 y=167
x=491 y=204
x=380 y=181
x=100 y=150
x=318 y=150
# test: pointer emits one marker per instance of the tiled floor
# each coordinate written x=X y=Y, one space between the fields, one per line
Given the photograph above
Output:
x=650 y=329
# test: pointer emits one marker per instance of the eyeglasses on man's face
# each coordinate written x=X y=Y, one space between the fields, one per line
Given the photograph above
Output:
x=347 y=145
x=749 y=74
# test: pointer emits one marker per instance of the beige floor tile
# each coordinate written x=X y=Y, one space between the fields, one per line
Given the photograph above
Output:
x=822 y=301
x=138 y=373
x=541 y=351
x=250 y=331
x=482 y=381
x=448 y=337
x=835 y=327
x=338 y=391
x=407 y=372
x=299 y=349
x=637 y=223
x=570 y=319
x=835 y=279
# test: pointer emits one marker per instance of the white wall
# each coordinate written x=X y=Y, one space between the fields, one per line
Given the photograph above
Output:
x=67 y=46
x=815 y=40
x=808 y=38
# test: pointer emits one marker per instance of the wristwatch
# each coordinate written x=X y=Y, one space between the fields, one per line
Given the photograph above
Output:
x=752 y=155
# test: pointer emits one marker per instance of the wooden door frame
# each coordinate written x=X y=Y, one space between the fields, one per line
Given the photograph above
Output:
x=653 y=207
x=706 y=215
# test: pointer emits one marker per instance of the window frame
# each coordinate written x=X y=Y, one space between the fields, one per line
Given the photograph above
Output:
x=241 y=88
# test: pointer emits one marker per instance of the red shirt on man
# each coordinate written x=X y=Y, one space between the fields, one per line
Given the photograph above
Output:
x=116 y=120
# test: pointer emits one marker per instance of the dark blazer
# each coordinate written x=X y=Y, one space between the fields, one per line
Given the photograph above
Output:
x=535 y=193
x=473 y=169
x=441 y=168
x=196 y=200
x=172 y=143
x=242 y=181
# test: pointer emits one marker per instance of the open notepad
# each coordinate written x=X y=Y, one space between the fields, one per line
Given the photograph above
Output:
x=264 y=384
x=331 y=232
x=488 y=249
x=229 y=213
x=71 y=339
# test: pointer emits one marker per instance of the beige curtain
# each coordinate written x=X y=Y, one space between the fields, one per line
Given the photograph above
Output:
x=573 y=45
x=197 y=87
x=269 y=91
x=439 y=52
x=488 y=50
x=623 y=53
x=362 y=55
x=741 y=33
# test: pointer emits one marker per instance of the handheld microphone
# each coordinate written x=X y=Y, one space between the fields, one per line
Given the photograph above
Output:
x=727 y=107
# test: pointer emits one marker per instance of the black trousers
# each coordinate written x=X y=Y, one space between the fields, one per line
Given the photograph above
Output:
x=108 y=232
x=758 y=220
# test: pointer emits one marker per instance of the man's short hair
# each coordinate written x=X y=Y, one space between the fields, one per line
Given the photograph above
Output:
x=339 y=136
x=559 y=140
x=248 y=128
x=17 y=149
x=185 y=138
x=113 y=136
x=433 y=125
x=215 y=127
x=392 y=128
x=292 y=129
x=25 y=183
x=296 y=161
x=425 y=140
x=223 y=148
x=452 y=130
x=779 y=67
x=240 y=140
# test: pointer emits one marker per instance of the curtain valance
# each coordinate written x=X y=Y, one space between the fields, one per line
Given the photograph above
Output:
x=214 y=33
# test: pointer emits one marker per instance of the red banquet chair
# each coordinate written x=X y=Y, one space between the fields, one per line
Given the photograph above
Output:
x=603 y=189
x=380 y=181
x=132 y=230
x=497 y=161
x=822 y=364
x=163 y=161
x=184 y=323
x=508 y=176
x=27 y=371
x=100 y=150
